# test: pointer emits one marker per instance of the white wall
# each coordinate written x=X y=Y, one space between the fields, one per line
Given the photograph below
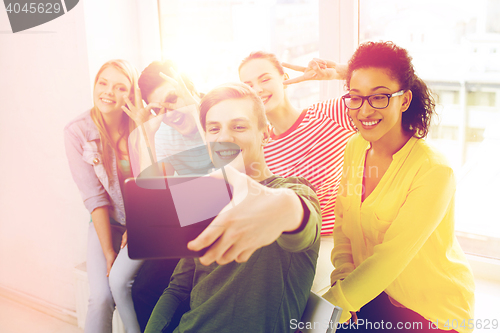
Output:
x=46 y=76
x=126 y=29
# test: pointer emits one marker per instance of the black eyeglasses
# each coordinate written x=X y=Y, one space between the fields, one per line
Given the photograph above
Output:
x=377 y=101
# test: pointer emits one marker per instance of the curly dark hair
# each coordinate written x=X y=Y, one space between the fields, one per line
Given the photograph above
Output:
x=417 y=118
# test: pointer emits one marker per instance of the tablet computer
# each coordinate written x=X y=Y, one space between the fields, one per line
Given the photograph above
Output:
x=165 y=213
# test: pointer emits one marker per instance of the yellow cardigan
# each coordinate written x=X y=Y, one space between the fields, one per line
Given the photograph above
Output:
x=401 y=239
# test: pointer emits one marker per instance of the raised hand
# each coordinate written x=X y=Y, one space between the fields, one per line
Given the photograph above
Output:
x=191 y=101
x=110 y=259
x=317 y=69
x=141 y=115
x=255 y=217
x=124 y=240
x=181 y=88
x=147 y=124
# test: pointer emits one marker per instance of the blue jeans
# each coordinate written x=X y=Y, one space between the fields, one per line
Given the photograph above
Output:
x=104 y=291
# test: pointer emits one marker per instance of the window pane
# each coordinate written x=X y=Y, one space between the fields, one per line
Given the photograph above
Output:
x=455 y=45
x=209 y=38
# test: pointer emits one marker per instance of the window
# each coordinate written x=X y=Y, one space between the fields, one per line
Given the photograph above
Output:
x=455 y=54
x=481 y=98
x=209 y=38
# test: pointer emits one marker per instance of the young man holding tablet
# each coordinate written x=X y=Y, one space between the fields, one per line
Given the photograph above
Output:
x=257 y=273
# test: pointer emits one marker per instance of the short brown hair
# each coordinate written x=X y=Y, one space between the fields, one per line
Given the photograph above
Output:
x=150 y=78
x=228 y=91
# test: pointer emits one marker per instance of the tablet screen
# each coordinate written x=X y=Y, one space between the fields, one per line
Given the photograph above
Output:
x=165 y=215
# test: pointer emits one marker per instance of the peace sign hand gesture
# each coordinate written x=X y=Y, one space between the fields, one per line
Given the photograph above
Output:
x=317 y=69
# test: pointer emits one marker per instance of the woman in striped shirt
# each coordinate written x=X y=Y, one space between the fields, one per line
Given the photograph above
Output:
x=309 y=143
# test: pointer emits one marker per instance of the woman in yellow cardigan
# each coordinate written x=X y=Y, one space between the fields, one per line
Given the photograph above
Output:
x=397 y=260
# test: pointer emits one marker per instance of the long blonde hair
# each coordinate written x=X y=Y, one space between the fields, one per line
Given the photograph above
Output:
x=127 y=124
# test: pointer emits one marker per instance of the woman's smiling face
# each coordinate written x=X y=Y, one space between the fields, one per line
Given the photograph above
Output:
x=375 y=124
x=110 y=90
x=265 y=79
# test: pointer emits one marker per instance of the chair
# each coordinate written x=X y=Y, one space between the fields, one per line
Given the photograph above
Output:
x=320 y=316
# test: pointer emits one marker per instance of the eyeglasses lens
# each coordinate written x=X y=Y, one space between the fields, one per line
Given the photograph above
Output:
x=376 y=101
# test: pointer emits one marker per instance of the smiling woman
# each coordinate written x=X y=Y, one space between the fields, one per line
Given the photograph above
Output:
x=381 y=117
x=307 y=143
x=396 y=256
x=98 y=156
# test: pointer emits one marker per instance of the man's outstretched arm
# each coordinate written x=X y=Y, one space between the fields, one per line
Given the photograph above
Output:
x=257 y=216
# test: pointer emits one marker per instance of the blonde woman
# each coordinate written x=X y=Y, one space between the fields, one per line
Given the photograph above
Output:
x=98 y=156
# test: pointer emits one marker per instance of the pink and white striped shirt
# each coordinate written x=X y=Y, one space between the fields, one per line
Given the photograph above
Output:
x=313 y=148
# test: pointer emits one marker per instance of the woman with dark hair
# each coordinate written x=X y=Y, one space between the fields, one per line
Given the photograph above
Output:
x=98 y=156
x=397 y=260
